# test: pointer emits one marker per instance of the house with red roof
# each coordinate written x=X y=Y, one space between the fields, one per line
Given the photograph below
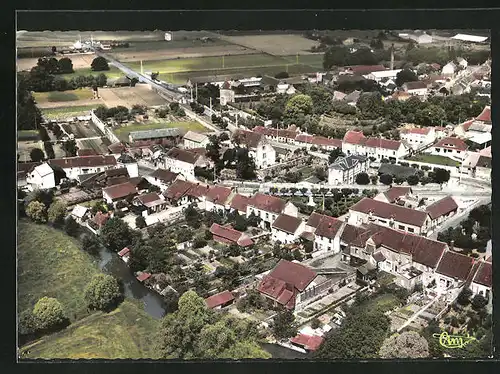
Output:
x=402 y=196
x=277 y=134
x=218 y=199
x=220 y=300
x=287 y=229
x=356 y=143
x=259 y=148
x=228 y=235
x=327 y=232
x=391 y=215
x=453 y=271
x=441 y=210
x=117 y=192
x=418 y=137
x=163 y=178
x=454 y=148
x=268 y=208
x=290 y=284
x=239 y=204
x=150 y=203
x=320 y=142
x=308 y=343
x=183 y=161
x=76 y=166
x=125 y=254
x=482 y=282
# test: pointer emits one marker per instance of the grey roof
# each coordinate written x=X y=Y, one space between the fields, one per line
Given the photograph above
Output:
x=397 y=170
x=348 y=162
x=126 y=159
x=195 y=137
x=476 y=126
x=158 y=133
x=353 y=97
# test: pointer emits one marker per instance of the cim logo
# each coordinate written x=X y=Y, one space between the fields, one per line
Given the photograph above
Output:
x=453 y=341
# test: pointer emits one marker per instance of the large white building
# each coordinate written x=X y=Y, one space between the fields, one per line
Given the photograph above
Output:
x=377 y=76
x=345 y=169
x=42 y=177
x=356 y=143
x=259 y=148
x=195 y=140
x=418 y=137
x=77 y=166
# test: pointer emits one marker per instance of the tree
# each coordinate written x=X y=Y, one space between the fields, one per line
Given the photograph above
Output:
x=213 y=149
x=386 y=179
x=479 y=302
x=315 y=323
x=65 y=66
x=37 y=211
x=377 y=44
x=405 y=345
x=362 y=178
x=116 y=234
x=244 y=350
x=90 y=244
x=99 y=64
x=70 y=148
x=48 y=314
x=464 y=297
x=284 y=325
x=57 y=212
x=282 y=75
x=140 y=222
x=192 y=217
x=298 y=105
x=374 y=179
x=431 y=115
x=240 y=223
x=371 y=105
x=441 y=175
x=36 y=155
x=337 y=152
x=405 y=75
x=71 y=227
x=413 y=180
x=101 y=80
x=245 y=167
x=103 y=292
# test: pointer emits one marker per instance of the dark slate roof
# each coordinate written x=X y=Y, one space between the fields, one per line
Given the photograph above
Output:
x=397 y=170
x=348 y=162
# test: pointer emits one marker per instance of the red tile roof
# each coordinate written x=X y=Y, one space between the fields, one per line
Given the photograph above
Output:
x=88 y=161
x=116 y=148
x=395 y=193
x=101 y=218
x=310 y=343
x=416 y=85
x=455 y=265
x=484 y=274
x=485 y=115
x=183 y=155
x=357 y=137
x=219 y=299
x=282 y=133
x=218 y=195
x=442 y=207
x=230 y=235
x=178 y=189
x=298 y=275
x=314 y=220
x=198 y=190
x=148 y=198
x=319 y=140
x=328 y=227
x=123 y=252
x=378 y=256
x=267 y=203
x=119 y=191
x=86 y=152
x=452 y=143
x=287 y=223
x=164 y=175
x=143 y=276
x=366 y=69
x=387 y=211
x=350 y=233
x=417 y=130
x=249 y=138
x=467 y=124
x=354 y=137
x=240 y=202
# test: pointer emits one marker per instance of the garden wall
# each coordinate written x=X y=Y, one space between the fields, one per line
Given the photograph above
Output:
x=105 y=130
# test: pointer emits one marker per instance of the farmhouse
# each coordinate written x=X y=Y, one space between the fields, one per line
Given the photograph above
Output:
x=220 y=300
x=76 y=166
x=279 y=135
x=177 y=193
x=402 y=196
x=228 y=235
x=441 y=210
x=41 y=177
x=195 y=140
x=292 y=284
x=308 y=343
x=171 y=133
x=258 y=147
x=118 y=192
x=183 y=162
x=418 y=137
x=287 y=229
x=163 y=178
x=345 y=169
x=268 y=208
x=453 y=148
x=23 y=169
x=482 y=281
x=356 y=143
x=398 y=217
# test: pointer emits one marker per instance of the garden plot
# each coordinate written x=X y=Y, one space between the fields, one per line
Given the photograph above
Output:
x=24 y=148
x=100 y=145
x=279 y=45
x=81 y=130
x=66 y=112
x=128 y=96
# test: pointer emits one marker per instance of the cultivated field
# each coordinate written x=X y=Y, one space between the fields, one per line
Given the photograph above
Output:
x=278 y=45
x=127 y=333
x=124 y=131
x=68 y=111
x=129 y=96
x=50 y=263
x=100 y=145
x=80 y=60
x=62 y=96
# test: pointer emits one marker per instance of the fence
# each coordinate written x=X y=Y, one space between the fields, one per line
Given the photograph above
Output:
x=105 y=130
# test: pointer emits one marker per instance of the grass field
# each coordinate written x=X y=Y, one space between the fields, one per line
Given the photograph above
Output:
x=126 y=332
x=57 y=96
x=68 y=112
x=112 y=73
x=28 y=135
x=124 y=131
x=434 y=159
x=50 y=263
x=383 y=302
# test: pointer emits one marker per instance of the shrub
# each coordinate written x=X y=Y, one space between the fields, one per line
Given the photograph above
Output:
x=48 y=314
x=103 y=292
x=386 y=179
x=315 y=323
x=415 y=166
x=140 y=222
x=412 y=180
x=362 y=178
x=479 y=302
x=37 y=211
x=199 y=243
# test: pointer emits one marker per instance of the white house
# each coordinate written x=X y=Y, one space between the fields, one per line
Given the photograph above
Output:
x=482 y=282
x=183 y=162
x=320 y=142
x=218 y=199
x=285 y=88
x=268 y=208
x=355 y=142
x=287 y=229
x=453 y=148
x=416 y=88
x=226 y=94
x=418 y=137
x=128 y=162
x=76 y=166
x=462 y=62
x=79 y=212
x=163 y=178
x=377 y=76
x=327 y=232
x=441 y=210
x=259 y=148
x=449 y=69
x=453 y=271
x=195 y=140
x=345 y=169
x=42 y=177
x=397 y=217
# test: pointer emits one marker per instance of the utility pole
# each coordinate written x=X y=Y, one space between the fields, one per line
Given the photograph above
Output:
x=142 y=70
x=297 y=58
x=223 y=61
x=191 y=88
x=196 y=89
x=210 y=104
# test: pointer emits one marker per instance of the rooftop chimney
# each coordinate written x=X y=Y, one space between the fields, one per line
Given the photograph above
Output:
x=452 y=245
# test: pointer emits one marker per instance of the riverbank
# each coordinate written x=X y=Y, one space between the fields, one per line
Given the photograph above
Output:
x=50 y=263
